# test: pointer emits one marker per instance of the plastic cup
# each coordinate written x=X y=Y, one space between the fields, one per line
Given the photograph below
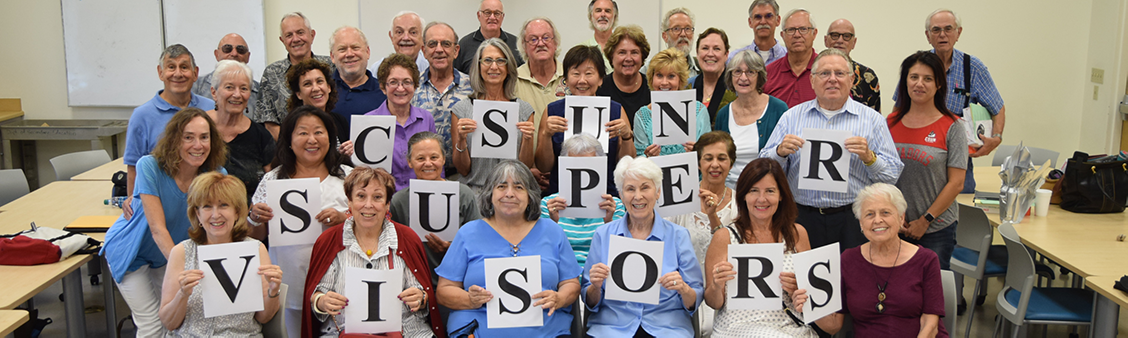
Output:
x=1042 y=202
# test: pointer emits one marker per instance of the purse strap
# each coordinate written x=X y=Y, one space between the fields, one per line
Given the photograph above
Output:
x=967 y=80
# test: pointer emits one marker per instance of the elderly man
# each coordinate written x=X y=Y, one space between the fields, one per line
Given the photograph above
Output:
x=943 y=28
x=177 y=69
x=490 y=15
x=789 y=78
x=407 y=26
x=677 y=31
x=841 y=36
x=231 y=47
x=603 y=15
x=540 y=80
x=358 y=92
x=440 y=85
x=297 y=36
x=763 y=18
x=873 y=155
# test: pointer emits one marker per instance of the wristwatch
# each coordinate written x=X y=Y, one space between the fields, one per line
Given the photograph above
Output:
x=997 y=135
x=928 y=217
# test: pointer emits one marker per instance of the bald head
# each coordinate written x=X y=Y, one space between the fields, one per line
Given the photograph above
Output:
x=841 y=36
x=233 y=47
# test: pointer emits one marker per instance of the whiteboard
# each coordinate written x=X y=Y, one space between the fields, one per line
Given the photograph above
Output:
x=111 y=47
x=200 y=24
x=570 y=18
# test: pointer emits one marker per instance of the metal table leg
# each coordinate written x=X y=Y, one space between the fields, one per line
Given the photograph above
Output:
x=108 y=292
x=1106 y=317
x=75 y=310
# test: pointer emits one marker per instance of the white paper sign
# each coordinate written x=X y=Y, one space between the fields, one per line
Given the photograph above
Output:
x=295 y=203
x=582 y=182
x=757 y=285
x=974 y=128
x=680 y=184
x=824 y=163
x=433 y=207
x=374 y=305
x=673 y=115
x=231 y=283
x=373 y=138
x=497 y=134
x=513 y=281
x=635 y=266
x=819 y=272
x=588 y=114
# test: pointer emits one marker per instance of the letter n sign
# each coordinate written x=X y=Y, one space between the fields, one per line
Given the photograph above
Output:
x=374 y=307
x=824 y=163
x=673 y=116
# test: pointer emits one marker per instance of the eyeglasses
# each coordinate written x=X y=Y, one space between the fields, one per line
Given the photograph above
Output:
x=801 y=30
x=500 y=62
x=679 y=30
x=488 y=13
x=435 y=43
x=937 y=30
x=838 y=74
x=844 y=36
x=241 y=49
x=397 y=83
x=738 y=73
x=758 y=17
x=537 y=39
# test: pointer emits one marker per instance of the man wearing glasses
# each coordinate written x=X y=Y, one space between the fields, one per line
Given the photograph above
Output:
x=231 y=47
x=440 y=85
x=490 y=16
x=407 y=28
x=763 y=18
x=540 y=80
x=358 y=91
x=677 y=32
x=789 y=79
x=841 y=36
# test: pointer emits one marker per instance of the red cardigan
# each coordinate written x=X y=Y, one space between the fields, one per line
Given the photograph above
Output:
x=331 y=242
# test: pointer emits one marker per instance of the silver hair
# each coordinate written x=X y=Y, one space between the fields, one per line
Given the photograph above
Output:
x=810 y=18
x=402 y=13
x=176 y=51
x=637 y=168
x=581 y=144
x=928 y=20
x=754 y=63
x=476 y=83
x=757 y=3
x=423 y=136
x=886 y=190
x=439 y=23
x=520 y=174
x=682 y=10
x=308 y=26
x=555 y=37
x=830 y=52
x=614 y=16
x=333 y=37
x=225 y=68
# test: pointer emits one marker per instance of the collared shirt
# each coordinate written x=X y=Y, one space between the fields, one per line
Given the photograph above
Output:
x=983 y=90
x=417 y=120
x=147 y=124
x=421 y=63
x=468 y=46
x=860 y=121
x=866 y=90
x=689 y=60
x=356 y=100
x=606 y=61
x=785 y=85
x=775 y=53
x=202 y=87
x=276 y=91
x=668 y=318
x=440 y=102
x=538 y=95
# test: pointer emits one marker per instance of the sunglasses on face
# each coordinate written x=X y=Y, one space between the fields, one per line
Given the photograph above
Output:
x=241 y=49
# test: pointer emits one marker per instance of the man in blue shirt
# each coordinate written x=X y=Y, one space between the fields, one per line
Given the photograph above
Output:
x=358 y=92
x=763 y=18
x=177 y=69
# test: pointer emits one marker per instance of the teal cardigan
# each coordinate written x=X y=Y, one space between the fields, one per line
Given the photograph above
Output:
x=765 y=124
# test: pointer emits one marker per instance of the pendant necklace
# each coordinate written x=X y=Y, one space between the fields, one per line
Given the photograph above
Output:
x=881 y=286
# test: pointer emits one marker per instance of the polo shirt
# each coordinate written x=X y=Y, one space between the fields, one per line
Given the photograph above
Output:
x=147 y=124
x=785 y=85
x=357 y=100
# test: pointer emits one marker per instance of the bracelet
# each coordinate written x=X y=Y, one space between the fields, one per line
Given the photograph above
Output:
x=627 y=138
x=459 y=150
x=315 y=309
x=874 y=160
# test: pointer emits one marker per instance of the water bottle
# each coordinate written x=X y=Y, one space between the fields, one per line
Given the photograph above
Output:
x=116 y=201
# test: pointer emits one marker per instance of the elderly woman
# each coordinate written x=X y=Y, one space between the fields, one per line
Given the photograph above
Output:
x=219 y=201
x=306 y=151
x=583 y=70
x=511 y=227
x=310 y=85
x=639 y=181
x=752 y=117
x=715 y=155
x=668 y=71
x=494 y=78
x=368 y=240
x=398 y=76
x=766 y=214
x=137 y=248
x=909 y=298
x=250 y=147
x=627 y=49
x=579 y=230
x=712 y=55
x=934 y=171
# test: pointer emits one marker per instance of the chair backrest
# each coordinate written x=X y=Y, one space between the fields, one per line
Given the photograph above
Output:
x=974 y=232
x=578 y=328
x=1037 y=155
x=948 y=279
x=1020 y=276
x=13 y=185
x=68 y=165
x=276 y=327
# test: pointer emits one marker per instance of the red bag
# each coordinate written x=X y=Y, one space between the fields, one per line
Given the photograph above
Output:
x=23 y=250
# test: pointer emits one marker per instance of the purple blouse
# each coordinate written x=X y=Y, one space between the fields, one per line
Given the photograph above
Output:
x=418 y=120
x=915 y=289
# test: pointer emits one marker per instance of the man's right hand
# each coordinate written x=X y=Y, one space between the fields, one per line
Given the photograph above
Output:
x=789 y=145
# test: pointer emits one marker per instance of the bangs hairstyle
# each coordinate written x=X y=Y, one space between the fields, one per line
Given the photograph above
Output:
x=423 y=136
x=629 y=32
x=284 y=157
x=716 y=136
x=714 y=30
x=754 y=64
x=904 y=103
x=783 y=221
x=397 y=59
x=666 y=60
x=510 y=169
x=167 y=151
x=214 y=187
x=641 y=168
x=579 y=54
x=294 y=78
x=361 y=177
x=476 y=82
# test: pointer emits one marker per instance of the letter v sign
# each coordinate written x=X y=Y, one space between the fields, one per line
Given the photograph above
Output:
x=224 y=279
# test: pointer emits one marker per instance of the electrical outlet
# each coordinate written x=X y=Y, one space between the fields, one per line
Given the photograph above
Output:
x=1097 y=77
x=1096 y=91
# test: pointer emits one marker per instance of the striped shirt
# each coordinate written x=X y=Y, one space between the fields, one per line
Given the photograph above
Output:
x=860 y=121
x=580 y=230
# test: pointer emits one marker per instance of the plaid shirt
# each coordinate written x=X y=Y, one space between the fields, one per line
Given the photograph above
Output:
x=440 y=102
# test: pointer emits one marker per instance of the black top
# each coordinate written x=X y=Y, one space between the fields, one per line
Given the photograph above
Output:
x=248 y=153
x=631 y=101
x=715 y=101
x=468 y=46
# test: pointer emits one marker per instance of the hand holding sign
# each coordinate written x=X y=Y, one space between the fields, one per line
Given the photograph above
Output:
x=824 y=164
x=299 y=201
x=820 y=282
x=582 y=184
x=514 y=280
x=859 y=146
x=789 y=145
x=230 y=278
x=374 y=135
x=634 y=269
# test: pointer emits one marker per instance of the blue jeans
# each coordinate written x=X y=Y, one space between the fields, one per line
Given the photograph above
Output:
x=969 y=179
x=941 y=242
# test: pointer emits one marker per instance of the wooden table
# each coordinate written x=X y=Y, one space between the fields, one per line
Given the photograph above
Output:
x=101 y=173
x=10 y=320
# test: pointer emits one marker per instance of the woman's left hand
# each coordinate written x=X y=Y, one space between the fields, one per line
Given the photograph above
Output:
x=652 y=150
x=528 y=130
x=709 y=202
x=689 y=146
x=673 y=281
x=618 y=128
x=548 y=300
x=414 y=298
x=273 y=275
x=331 y=216
x=346 y=148
x=790 y=284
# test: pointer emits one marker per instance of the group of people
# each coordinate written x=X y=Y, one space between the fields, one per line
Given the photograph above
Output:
x=203 y=146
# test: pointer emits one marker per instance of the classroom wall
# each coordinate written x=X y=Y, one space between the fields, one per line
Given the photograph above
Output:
x=1040 y=53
